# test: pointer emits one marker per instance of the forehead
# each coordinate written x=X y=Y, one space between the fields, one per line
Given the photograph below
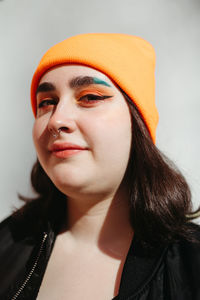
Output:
x=67 y=72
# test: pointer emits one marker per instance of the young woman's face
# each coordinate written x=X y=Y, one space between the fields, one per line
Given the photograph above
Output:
x=82 y=132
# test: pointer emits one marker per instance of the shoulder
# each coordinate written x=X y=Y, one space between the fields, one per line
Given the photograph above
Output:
x=25 y=224
x=18 y=244
x=14 y=254
x=20 y=228
x=182 y=266
x=190 y=246
x=14 y=240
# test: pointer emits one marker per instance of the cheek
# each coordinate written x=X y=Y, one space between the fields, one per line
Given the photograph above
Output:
x=109 y=134
x=119 y=139
x=38 y=134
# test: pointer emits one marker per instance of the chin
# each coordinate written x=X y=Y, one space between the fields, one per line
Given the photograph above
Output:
x=68 y=181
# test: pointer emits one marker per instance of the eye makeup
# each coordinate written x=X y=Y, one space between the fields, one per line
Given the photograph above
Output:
x=91 y=98
x=98 y=91
x=46 y=102
x=83 y=81
x=100 y=81
x=92 y=95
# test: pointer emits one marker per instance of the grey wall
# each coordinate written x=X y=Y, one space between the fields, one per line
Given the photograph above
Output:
x=29 y=28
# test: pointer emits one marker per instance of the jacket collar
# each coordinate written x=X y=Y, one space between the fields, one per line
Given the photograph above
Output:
x=139 y=268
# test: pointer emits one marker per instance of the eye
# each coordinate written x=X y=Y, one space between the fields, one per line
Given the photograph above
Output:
x=47 y=102
x=92 y=98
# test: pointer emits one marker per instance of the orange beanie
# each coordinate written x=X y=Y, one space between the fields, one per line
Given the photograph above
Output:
x=128 y=60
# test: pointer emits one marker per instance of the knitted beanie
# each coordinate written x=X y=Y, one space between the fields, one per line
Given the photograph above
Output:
x=127 y=60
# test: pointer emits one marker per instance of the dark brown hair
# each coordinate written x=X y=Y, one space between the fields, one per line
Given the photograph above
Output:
x=160 y=198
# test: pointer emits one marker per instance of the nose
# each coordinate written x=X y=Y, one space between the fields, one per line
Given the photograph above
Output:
x=62 y=119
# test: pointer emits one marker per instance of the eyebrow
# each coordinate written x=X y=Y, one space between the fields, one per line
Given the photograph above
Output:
x=85 y=81
x=76 y=82
x=45 y=87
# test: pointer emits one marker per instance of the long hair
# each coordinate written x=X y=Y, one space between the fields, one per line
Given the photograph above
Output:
x=160 y=198
x=161 y=204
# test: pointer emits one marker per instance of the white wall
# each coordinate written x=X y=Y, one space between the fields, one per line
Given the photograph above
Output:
x=29 y=28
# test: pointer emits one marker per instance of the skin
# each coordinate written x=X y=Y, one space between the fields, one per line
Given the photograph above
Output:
x=93 y=179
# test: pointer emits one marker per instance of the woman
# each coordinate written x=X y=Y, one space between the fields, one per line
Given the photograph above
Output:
x=112 y=216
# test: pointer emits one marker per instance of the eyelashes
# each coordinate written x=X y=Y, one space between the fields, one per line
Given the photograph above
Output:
x=47 y=102
x=86 y=99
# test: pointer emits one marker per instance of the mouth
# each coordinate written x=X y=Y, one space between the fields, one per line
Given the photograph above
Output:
x=64 y=150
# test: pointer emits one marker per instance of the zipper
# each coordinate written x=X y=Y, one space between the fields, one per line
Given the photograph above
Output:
x=32 y=270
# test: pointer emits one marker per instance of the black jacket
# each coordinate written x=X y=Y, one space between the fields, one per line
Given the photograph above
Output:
x=171 y=272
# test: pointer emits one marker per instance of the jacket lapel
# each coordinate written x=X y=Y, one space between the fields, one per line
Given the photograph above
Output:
x=139 y=268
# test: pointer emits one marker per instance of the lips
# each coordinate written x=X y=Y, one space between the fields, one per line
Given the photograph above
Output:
x=64 y=150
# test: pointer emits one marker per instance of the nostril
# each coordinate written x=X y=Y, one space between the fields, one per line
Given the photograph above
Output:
x=56 y=132
x=63 y=128
x=65 y=125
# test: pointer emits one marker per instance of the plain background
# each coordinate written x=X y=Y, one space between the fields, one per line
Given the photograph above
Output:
x=28 y=28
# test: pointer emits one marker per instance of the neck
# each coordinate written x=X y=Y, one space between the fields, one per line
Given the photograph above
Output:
x=103 y=223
